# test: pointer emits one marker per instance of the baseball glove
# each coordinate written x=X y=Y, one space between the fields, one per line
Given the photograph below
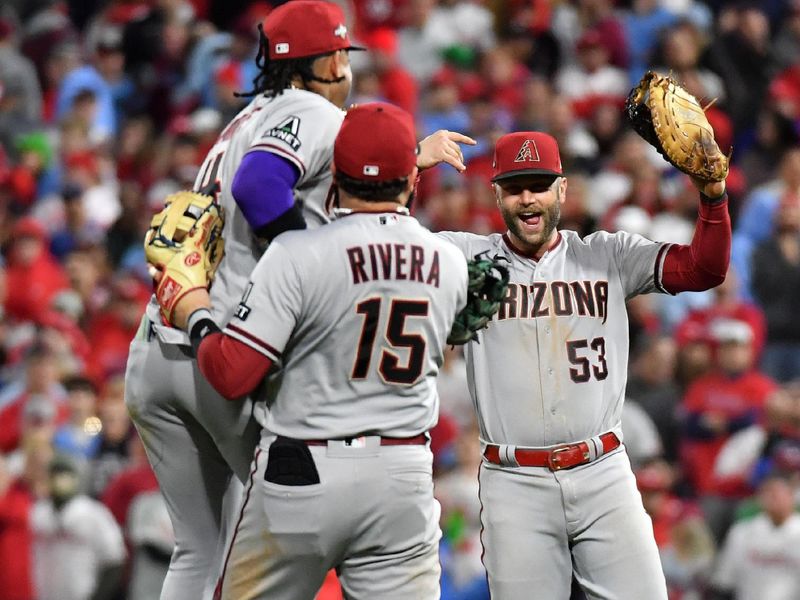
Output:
x=184 y=247
x=488 y=282
x=672 y=120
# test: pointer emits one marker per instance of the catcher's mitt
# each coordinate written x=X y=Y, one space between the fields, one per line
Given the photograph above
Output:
x=672 y=120
x=184 y=246
x=488 y=282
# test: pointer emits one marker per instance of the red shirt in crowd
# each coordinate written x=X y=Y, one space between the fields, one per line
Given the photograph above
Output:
x=736 y=402
x=16 y=540
x=11 y=422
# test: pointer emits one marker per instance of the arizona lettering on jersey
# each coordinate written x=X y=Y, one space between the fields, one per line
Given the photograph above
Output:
x=560 y=298
x=561 y=335
x=364 y=344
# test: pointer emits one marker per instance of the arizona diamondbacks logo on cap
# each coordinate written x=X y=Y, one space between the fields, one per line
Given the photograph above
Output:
x=528 y=152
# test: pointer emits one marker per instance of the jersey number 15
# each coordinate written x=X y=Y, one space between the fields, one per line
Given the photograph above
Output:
x=389 y=366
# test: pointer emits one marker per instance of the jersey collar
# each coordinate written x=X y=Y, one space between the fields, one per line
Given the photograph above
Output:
x=344 y=212
x=523 y=254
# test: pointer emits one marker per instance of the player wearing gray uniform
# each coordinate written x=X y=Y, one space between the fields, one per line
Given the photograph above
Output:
x=194 y=439
x=356 y=314
x=272 y=168
x=548 y=381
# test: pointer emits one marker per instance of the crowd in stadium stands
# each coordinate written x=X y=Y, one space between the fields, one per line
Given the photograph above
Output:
x=106 y=106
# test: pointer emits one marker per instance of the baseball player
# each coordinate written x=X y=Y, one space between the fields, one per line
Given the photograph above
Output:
x=356 y=314
x=548 y=381
x=271 y=170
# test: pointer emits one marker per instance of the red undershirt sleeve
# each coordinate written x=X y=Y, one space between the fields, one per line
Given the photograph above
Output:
x=234 y=369
x=702 y=264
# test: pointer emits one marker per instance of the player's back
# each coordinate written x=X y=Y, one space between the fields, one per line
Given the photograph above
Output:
x=298 y=126
x=379 y=296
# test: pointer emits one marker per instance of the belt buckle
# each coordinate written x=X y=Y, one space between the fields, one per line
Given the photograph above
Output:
x=553 y=461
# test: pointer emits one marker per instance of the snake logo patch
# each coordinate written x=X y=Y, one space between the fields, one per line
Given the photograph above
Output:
x=528 y=152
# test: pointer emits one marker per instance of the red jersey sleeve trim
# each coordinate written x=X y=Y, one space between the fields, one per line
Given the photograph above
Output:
x=233 y=368
x=257 y=344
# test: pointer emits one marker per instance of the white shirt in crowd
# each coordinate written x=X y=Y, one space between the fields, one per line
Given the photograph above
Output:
x=760 y=560
x=71 y=546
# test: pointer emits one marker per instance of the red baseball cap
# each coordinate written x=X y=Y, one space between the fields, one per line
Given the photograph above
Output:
x=303 y=28
x=526 y=153
x=377 y=142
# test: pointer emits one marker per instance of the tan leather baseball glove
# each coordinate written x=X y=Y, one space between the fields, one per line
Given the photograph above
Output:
x=184 y=247
x=673 y=121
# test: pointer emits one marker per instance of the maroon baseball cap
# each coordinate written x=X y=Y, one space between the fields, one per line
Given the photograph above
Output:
x=303 y=28
x=377 y=142
x=526 y=153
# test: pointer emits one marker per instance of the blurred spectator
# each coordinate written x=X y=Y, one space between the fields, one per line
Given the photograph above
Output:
x=78 y=436
x=471 y=22
x=422 y=40
x=33 y=276
x=152 y=539
x=78 y=548
x=396 y=84
x=760 y=556
x=594 y=79
x=776 y=285
x=111 y=331
x=136 y=478
x=451 y=385
x=463 y=576
x=772 y=443
x=41 y=395
x=598 y=15
x=684 y=542
x=744 y=59
x=112 y=453
x=756 y=221
x=78 y=230
x=16 y=540
x=643 y=26
x=786 y=44
x=642 y=441
x=726 y=303
x=93 y=175
x=774 y=135
x=652 y=384
x=17 y=70
x=716 y=405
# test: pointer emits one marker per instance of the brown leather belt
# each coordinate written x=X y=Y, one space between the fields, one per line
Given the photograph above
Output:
x=558 y=458
x=385 y=441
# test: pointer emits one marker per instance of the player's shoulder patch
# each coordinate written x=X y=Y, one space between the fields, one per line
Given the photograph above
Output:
x=287 y=131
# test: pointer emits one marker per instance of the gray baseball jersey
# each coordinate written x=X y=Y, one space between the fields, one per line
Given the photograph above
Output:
x=297 y=125
x=551 y=369
x=192 y=435
x=357 y=316
x=357 y=313
x=560 y=337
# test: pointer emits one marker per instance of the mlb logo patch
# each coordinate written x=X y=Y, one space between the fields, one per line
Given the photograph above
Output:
x=371 y=170
x=282 y=48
